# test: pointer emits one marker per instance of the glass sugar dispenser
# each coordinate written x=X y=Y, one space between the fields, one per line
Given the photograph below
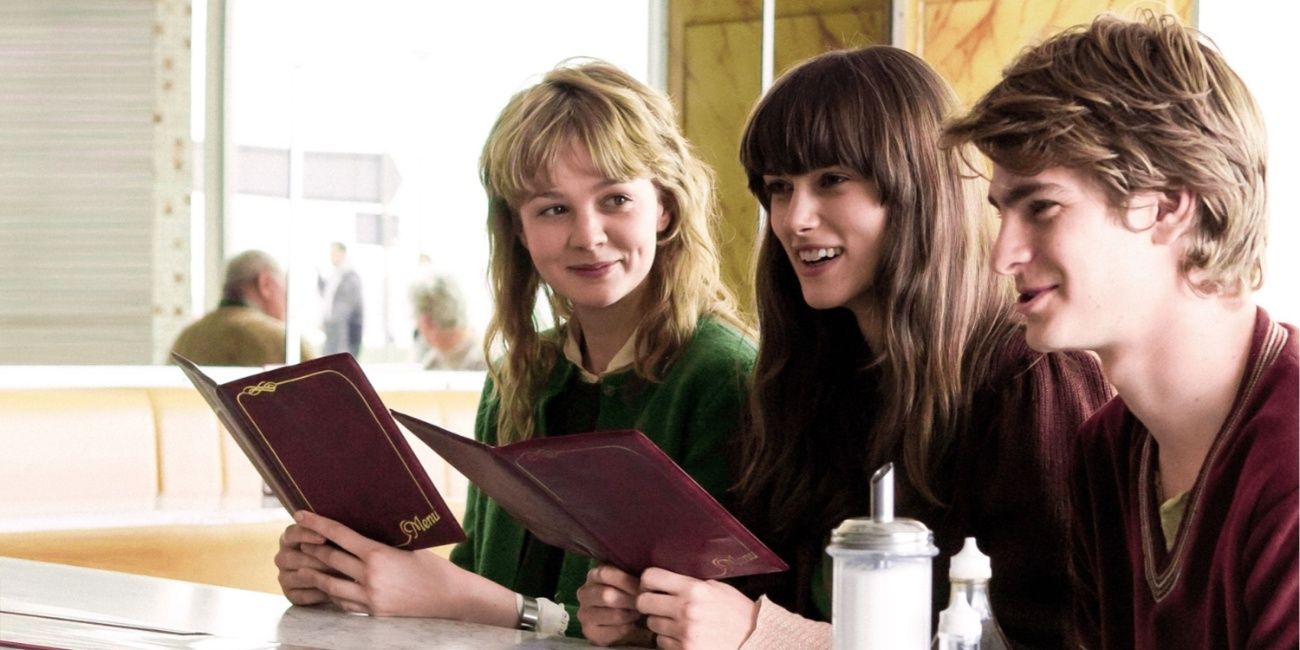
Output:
x=880 y=598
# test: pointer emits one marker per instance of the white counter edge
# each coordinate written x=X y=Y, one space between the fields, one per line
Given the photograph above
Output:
x=384 y=378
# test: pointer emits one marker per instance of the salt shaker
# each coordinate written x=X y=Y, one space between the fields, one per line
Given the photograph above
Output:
x=969 y=573
x=959 y=627
x=881 y=587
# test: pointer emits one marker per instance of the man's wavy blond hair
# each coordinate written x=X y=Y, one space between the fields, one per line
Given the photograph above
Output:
x=631 y=132
x=1140 y=105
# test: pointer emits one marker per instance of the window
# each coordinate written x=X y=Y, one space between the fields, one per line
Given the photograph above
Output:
x=1252 y=35
x=384 y=107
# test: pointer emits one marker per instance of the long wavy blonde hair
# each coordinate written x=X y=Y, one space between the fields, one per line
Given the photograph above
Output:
x=631 y=132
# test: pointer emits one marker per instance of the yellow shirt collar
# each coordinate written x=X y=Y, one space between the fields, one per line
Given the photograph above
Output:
x=624 y=358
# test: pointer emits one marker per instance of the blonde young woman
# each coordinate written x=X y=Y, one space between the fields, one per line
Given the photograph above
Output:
x=883 y=336
x=596 y=200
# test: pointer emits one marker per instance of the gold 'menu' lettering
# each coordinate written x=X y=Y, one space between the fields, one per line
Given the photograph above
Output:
x=417 y=524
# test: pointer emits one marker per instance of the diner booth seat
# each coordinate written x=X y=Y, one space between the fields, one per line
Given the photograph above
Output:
x=142 y=478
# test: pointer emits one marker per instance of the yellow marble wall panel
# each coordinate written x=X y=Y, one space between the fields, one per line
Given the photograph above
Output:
x=719 y=71
x=684 y=13
x=697 y=12
x=721 y=84
x=970 y=41
x=803 y=37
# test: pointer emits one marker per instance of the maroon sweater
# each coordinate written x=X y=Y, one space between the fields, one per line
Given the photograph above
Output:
x=1007 y=487
x=1230 y=578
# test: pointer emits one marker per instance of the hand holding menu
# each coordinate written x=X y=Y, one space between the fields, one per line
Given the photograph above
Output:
x=321 y=438
x=610 y=495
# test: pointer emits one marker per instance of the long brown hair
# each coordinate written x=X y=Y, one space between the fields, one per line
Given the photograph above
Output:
x=826 y=407
x=630 y=131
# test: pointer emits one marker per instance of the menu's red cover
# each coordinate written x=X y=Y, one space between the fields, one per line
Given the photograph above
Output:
x=610 y=495
x=322 y=439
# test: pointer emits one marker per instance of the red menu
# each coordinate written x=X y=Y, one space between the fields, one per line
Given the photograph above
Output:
x=611 y=495
x=322 y=439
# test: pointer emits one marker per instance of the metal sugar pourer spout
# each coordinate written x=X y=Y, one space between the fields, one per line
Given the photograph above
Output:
x=882 y=494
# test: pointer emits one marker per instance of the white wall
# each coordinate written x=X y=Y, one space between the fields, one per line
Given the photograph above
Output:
x=1257 y=37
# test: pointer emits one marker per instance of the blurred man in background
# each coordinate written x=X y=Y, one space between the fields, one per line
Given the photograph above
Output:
x=247 y=327
x=342 y=304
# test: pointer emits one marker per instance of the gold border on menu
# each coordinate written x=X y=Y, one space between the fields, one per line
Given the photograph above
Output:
x=722 y=562
x=270 y=386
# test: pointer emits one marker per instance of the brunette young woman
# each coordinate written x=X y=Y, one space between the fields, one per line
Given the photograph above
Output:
x=883 y=336
x=596 y=201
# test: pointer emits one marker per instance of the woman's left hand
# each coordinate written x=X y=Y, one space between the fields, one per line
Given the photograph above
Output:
x=687 y=613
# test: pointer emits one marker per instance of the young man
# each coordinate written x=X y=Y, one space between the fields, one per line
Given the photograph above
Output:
x=1129 y=171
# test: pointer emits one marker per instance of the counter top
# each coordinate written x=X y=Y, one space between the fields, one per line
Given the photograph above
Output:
x=385 y=377
x=60 y=606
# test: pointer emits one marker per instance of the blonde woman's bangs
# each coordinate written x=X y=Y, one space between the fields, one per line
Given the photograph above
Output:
x=616 y=157
x=540 y=130
x=630 y=132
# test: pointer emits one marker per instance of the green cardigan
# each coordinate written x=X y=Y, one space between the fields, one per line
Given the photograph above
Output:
x=692 y=415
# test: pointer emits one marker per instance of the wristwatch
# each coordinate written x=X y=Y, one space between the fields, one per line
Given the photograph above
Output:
x=528 y=613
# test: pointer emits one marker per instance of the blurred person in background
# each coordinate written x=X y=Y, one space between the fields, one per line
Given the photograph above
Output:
x=247 y=327
x=342 y=304
x=442 y=326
